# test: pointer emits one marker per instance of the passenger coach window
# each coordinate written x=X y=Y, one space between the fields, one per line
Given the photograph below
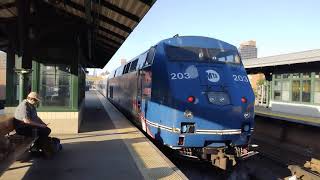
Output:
x=133 y=65
x=119 y=71
x=126 y=68
x=150 y=56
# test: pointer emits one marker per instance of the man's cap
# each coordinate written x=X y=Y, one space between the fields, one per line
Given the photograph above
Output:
x=34 y=95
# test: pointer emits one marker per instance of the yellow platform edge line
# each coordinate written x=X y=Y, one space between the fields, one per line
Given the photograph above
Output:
x=176 y=173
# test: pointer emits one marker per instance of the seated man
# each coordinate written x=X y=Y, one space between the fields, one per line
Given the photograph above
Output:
x=27 y=122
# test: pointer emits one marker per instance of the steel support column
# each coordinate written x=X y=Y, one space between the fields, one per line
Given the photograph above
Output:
x=87 y=4
x=23 y=8
x=268 y=78
x=10 y=74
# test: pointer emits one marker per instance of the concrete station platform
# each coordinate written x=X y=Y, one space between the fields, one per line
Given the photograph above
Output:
x=300 y=119
x=108 y=147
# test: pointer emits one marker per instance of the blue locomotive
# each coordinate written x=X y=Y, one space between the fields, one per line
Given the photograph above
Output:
x=191 y=94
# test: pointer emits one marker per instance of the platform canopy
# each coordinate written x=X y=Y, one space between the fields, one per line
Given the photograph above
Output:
x=291 y=62
x=45 y=28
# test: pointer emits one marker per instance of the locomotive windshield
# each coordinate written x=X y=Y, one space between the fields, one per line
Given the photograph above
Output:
x=185 y=53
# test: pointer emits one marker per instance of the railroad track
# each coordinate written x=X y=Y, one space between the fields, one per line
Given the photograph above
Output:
x=300 y=161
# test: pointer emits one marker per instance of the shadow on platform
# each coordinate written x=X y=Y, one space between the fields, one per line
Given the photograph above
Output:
x=108 y=159
x=95 y=118
x=100 y=151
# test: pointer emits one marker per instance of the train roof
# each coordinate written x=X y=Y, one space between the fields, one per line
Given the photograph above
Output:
x=191 y=41
x=197 y=41
x=201 y=41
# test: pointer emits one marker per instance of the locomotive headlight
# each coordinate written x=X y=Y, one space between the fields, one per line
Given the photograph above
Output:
x=218 y=98
x=184 y=129
x=246 y=127
x=187 y=127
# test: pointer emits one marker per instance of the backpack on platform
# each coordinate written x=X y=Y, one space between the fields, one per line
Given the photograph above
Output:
x=48 y=146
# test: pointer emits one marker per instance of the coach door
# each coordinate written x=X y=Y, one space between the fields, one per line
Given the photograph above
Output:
x=144 y=86
x=145 y=80
x=144 y=95
x=139 y=92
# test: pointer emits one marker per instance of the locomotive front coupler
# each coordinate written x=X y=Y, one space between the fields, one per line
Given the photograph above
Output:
x=250 y=151
x=226 y=157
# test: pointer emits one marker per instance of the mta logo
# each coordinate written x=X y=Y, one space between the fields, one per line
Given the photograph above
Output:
x=212 y=75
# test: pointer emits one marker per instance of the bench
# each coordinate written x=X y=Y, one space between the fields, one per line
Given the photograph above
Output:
x=12 y=146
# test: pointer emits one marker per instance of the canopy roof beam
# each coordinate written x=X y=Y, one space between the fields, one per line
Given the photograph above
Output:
x=101 y=17
x=147 y=2
x=112 y=7
x=108 y=39
x=111 y=33
x=7 y=5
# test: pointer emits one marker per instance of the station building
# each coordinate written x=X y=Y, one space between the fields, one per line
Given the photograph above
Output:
x=49 y=45
x=291 y=82
x=61 y=87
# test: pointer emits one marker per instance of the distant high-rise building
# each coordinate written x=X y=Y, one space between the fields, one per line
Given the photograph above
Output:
x=248 y=50
x=123 y=61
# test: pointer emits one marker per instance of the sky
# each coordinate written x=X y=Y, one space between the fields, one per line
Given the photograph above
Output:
x=278 y=26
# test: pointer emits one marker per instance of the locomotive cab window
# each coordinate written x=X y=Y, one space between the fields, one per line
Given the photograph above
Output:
x=207 y=55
